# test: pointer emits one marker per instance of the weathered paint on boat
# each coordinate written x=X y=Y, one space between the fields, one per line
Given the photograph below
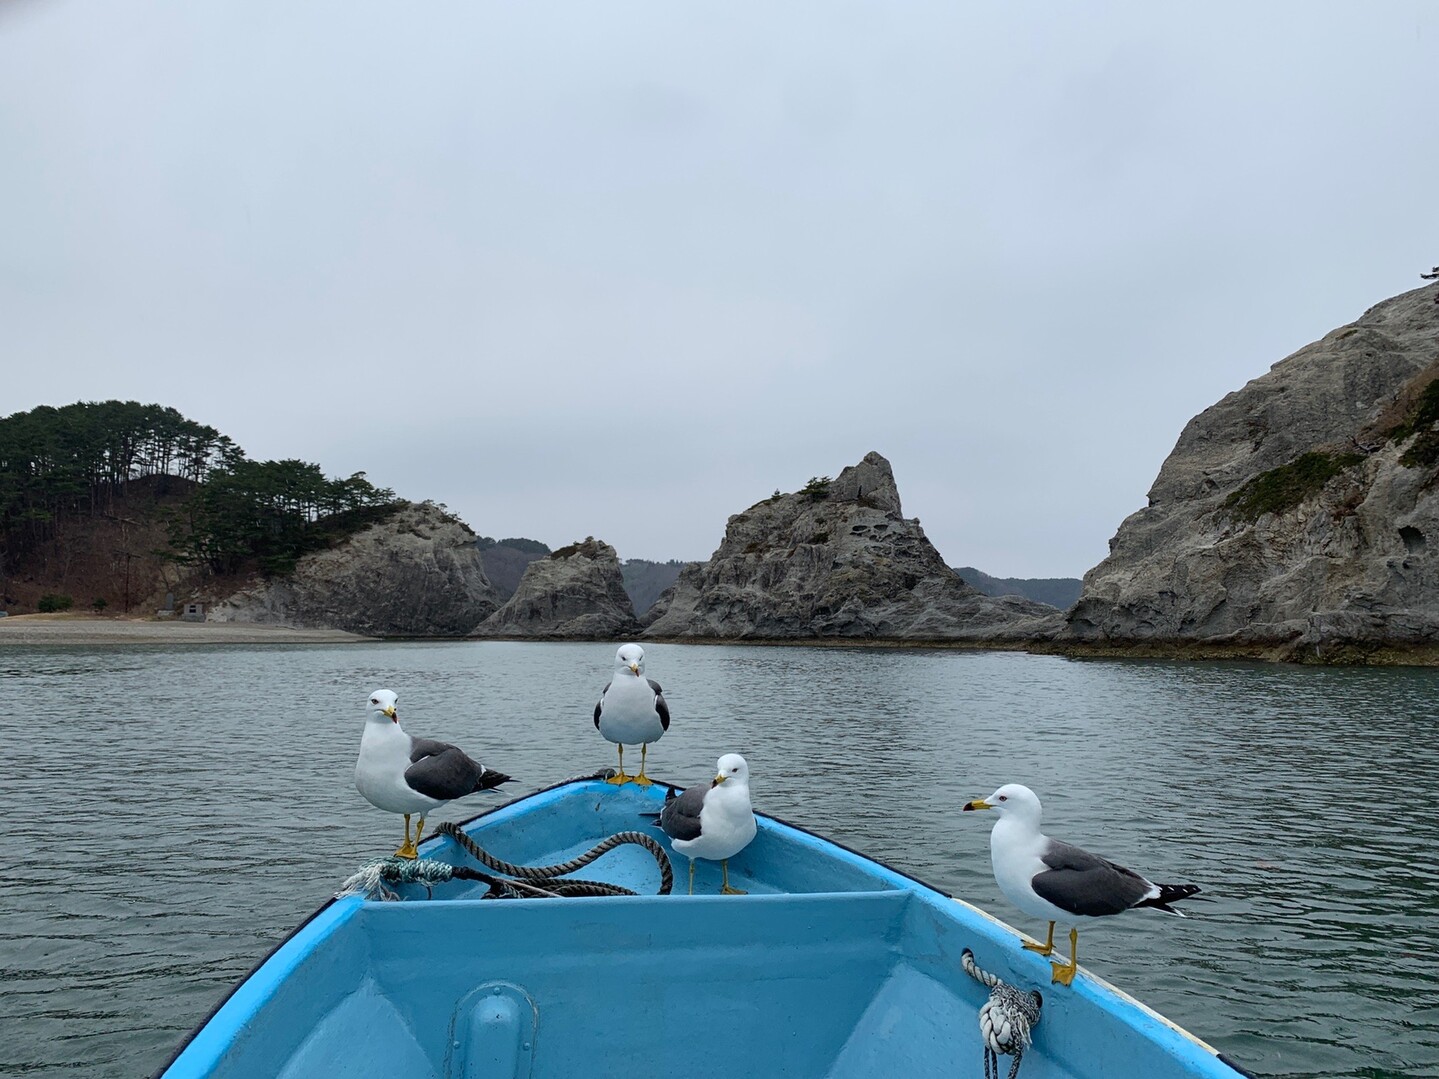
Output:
x=833 y=965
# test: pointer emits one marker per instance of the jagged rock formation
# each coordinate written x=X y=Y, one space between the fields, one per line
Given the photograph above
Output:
x=837 y=559
x=575 y=593
x=415 y=574
x=1300 y=513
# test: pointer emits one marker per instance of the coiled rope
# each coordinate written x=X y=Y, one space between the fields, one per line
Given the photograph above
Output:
x=517 y=881
x=1005 y=1021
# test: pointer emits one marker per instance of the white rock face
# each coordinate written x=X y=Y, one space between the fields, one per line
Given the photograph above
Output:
x=838 y=562
x=416 y=574
x=1353 y=560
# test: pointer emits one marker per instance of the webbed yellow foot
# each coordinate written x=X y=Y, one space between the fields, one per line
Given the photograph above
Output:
x=1064 y=975
x=1043 y=949
x=619 y=776
x=408 y=850
x=725 y=889
x=642 y=779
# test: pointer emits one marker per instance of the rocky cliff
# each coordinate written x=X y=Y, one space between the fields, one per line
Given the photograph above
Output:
x=1300 y=513
x=575 y=593
x=837 y=559
x=416 y=574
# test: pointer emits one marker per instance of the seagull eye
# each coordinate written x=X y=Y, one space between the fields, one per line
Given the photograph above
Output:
x=1004 y=797
x=374 y=700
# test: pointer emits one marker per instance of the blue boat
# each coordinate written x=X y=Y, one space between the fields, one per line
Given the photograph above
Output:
x=832 y=965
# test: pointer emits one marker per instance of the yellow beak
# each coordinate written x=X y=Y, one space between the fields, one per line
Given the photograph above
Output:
x=978 y=803
x=719 y=778
x=635 y=667
x=390 y=712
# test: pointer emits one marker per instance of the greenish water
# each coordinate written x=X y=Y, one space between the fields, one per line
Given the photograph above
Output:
x=170 y=814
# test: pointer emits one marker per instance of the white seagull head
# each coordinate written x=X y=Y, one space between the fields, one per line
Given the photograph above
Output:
x=731 y=768
x=1011 y=800
x=630 y=657
x=382 y=705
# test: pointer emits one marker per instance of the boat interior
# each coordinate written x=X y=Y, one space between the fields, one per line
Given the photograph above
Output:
x=832 y=965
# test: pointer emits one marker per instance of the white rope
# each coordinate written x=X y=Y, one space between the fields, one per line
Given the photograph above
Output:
x=1005 y=1020
x=369 y=881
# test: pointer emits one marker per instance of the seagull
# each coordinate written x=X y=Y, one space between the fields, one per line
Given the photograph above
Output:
x=632 y=709
x=1049 y=879
x=713 y=822
x=399 y=773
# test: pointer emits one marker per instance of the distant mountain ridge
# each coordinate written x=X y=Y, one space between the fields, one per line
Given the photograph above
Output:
x=1061 y=592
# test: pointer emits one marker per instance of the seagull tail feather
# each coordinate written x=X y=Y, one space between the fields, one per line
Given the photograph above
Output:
x=670 y=795
x=1169 y=893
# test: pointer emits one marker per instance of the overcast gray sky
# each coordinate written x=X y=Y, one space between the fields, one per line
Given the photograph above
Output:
x=623 y=269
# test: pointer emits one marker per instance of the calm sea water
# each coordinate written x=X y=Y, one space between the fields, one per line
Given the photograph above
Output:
x=169 y=815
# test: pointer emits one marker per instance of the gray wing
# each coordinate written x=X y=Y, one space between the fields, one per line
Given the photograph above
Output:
x=1083 y=883
x=680 y=817
x=660 y=706
x=600 y=704
x=440 y=770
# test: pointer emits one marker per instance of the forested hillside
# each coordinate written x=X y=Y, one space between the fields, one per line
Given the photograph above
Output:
x=89 y=488
x=646 y=580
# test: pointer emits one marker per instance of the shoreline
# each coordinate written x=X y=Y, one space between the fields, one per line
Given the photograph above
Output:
x=73 y=628
x=80 y=629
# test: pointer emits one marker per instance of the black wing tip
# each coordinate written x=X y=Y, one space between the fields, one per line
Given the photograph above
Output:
x=490 y=779
x=1170 y=893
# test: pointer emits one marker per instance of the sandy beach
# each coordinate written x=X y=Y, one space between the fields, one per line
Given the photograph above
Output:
x=93 y=630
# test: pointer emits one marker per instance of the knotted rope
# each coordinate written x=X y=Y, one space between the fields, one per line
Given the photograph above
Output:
x=518 y=881
x=1006 y=1019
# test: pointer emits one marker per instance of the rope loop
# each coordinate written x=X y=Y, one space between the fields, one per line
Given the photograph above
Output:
x=373 y=879
x=1005 y=1020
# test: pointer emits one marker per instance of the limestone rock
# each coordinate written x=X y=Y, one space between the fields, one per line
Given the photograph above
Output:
x=415 y=574
x=1286 y=514
x=837 y=559
x=576 y=593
